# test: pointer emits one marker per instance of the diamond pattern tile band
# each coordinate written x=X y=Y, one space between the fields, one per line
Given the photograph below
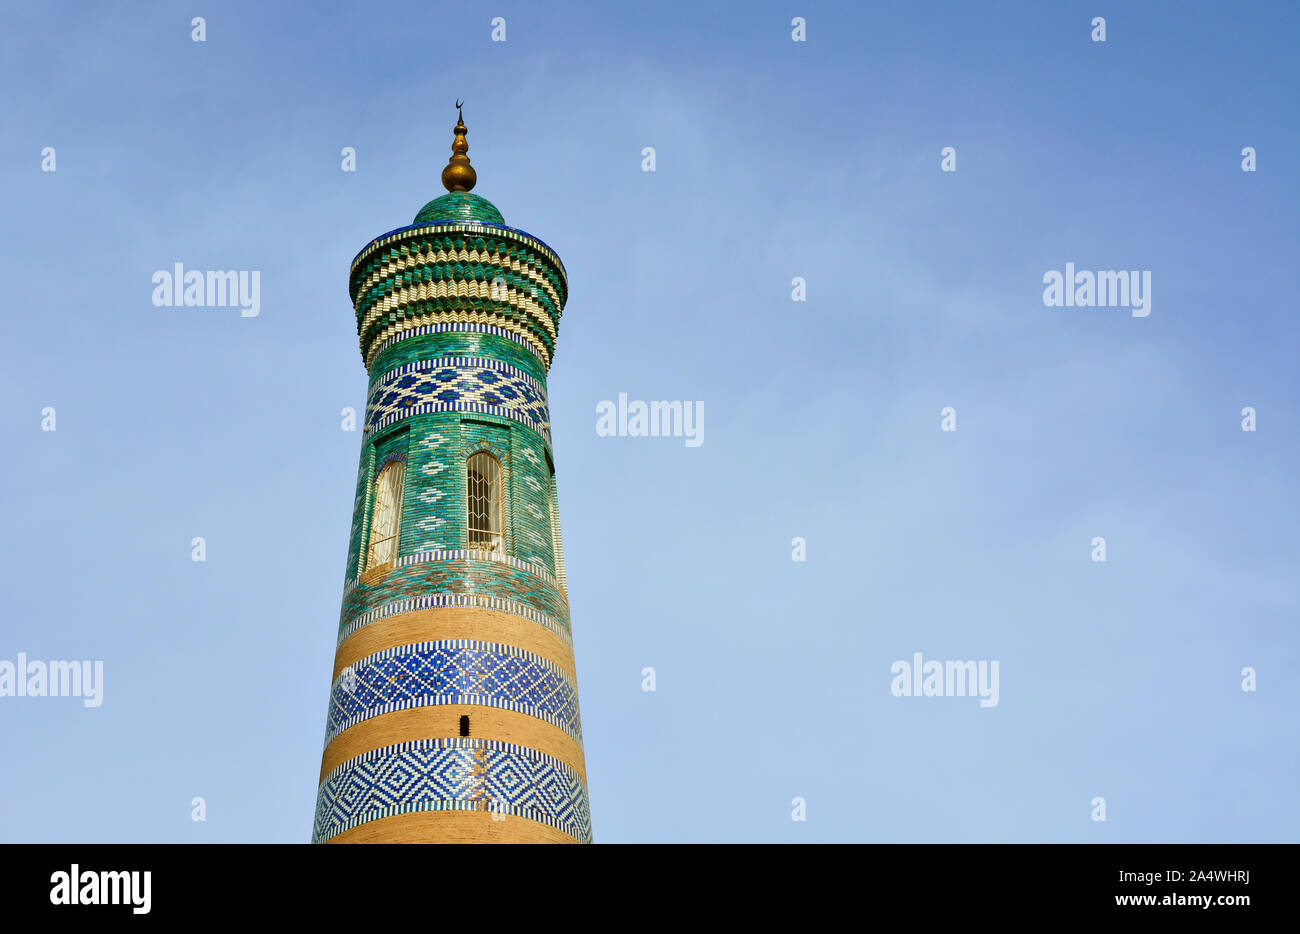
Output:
x=458 y=384
x=453 y=774
x=453 y=671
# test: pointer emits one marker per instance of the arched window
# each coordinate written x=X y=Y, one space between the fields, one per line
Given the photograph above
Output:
x=387 y=521
x=483 y=482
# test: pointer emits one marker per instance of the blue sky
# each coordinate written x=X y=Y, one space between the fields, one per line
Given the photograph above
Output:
x=774 y=160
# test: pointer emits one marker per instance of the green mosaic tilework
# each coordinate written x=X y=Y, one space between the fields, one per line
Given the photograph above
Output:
x=462 y=230
x=456 y=344
x=390 y=442
x=434 y=517
x=557 y=539
x=434 y=511
x=419 y=273
x=359 y=513
x=530 y=494
x=459 y=206
x=430 y=519
x=464 y=575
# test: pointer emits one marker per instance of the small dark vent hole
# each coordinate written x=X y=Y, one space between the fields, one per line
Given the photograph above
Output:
x=464 y=726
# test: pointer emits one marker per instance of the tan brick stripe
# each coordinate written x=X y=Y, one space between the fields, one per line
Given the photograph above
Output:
x=452 y=827
x=454 y=622
x=444 y=720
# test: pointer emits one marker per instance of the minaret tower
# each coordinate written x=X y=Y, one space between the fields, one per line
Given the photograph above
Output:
x=453 y=711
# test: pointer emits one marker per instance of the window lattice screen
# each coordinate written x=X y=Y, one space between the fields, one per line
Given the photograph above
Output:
x=484 y=487
x=388 y=514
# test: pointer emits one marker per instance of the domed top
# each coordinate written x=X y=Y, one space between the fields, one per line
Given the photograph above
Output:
x=459 y=207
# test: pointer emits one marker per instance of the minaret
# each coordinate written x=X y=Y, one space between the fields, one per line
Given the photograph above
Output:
x=453 y=711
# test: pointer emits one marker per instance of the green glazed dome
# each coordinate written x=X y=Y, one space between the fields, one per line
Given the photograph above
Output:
x=459 y=207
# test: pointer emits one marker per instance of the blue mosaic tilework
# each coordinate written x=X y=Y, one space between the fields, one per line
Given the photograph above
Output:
x=455 y=773
x=458 y=384
x=419 y=366
x=453 y=671
x=390 y=458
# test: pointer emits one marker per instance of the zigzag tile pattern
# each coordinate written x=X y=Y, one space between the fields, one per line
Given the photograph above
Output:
x=437 y=273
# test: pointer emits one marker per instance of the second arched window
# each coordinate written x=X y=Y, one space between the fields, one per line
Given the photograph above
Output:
x=483 y=485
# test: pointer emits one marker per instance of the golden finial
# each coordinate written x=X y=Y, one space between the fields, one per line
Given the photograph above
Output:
x=459 y=175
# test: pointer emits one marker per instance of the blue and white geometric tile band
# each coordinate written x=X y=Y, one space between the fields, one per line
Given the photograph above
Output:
x=453 y=671
x=459 y=384
x=453 y=774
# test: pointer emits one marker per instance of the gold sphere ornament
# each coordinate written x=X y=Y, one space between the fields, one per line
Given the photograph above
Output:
x=459 y=175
